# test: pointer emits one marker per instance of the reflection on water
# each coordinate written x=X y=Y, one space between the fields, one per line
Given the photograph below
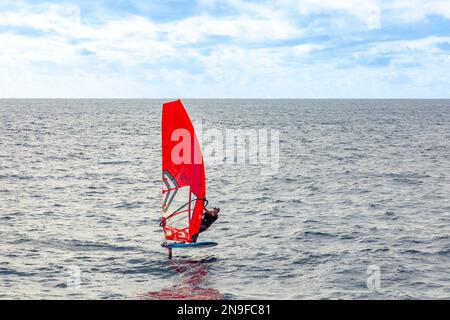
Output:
x=191 y=283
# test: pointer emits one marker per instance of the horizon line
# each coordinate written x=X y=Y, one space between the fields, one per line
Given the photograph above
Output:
x=214 y=98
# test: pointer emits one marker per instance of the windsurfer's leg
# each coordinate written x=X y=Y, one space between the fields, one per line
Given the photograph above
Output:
x=194 y=237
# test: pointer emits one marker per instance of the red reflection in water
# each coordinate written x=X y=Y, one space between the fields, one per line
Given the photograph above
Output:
x=191 y=284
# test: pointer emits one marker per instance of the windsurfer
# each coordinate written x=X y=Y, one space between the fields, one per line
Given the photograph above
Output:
x=208 y=219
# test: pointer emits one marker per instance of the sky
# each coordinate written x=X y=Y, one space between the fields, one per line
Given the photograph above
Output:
x=225 y=49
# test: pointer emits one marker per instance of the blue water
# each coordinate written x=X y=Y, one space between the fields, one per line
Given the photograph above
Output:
x=361 y=183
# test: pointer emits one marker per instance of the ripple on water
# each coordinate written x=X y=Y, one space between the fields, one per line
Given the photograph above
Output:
x=360 y=183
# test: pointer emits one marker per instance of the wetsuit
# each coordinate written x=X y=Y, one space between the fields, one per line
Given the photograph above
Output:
x=207 y=221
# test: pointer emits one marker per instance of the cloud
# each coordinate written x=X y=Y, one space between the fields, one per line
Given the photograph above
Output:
x=223 y=48
x=367 y=11
x=410 y=11
x=445 y=46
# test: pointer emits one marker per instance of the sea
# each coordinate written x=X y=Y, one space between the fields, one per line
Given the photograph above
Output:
x=357 y=206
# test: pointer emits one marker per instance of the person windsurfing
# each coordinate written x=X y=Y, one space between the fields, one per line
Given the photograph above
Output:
x=209 y=217
x=183 y=181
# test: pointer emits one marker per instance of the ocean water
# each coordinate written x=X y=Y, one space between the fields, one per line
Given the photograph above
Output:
x=362 y=193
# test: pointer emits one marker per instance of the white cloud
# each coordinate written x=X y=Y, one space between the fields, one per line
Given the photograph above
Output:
x=409 y=11
x=62 y=19
x=244 y=29
x=251 y=53
x=367 y=11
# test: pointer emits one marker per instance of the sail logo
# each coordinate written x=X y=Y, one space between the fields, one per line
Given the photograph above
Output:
x=255 y=147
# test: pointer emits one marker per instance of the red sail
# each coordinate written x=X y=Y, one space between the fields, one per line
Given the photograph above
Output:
x=183 y=175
